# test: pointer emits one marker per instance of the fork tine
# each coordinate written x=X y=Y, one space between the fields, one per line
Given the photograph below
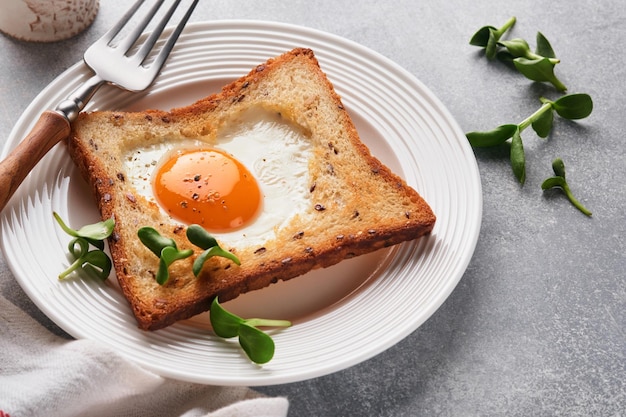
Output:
x=169 y=44
x=156 y=33
x=130 y=39
x=110 y=34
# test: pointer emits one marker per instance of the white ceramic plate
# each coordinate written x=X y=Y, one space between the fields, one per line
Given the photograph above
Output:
x=342 y=315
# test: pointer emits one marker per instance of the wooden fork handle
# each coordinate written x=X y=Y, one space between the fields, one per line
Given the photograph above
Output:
x=50 y=129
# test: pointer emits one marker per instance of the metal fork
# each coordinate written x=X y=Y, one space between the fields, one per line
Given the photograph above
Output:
x=123 y=64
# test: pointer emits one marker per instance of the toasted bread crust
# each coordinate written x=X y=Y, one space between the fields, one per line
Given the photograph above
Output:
x=357 y=204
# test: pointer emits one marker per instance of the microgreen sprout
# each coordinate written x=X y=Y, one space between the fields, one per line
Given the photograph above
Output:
x=571 y=107
x=168 y=252
x=258 y=345
x=164 y=248
x=93 y=262
x=559 y=181
x=536 y=66
x=488 y=36
x=201 y=238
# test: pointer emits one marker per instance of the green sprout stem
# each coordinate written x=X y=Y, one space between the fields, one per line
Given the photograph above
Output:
x=545 y=107
x=507 y=25
x=73 y=267
x=267 y=323
x=574 y=201
x=532 y=55
x=94 y=263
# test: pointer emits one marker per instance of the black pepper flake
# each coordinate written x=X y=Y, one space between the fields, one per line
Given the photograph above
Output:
x=319 y=207
x=195 y=196
x=260 y=251
x=120 y=176
x=183 y=204
x=196 y=177
x=355 y=214
x=312 y=188
x=298 y=235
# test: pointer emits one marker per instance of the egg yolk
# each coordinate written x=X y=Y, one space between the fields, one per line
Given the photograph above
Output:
x=208 y=187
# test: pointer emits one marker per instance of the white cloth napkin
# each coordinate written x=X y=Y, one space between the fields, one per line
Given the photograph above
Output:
x=42 y=374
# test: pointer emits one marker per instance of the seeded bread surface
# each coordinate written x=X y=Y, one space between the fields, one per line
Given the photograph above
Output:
x=357 y=205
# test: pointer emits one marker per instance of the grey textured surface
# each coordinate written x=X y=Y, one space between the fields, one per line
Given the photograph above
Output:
x=537 y=324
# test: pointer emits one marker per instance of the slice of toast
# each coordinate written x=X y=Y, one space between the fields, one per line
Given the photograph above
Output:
x=355 y=204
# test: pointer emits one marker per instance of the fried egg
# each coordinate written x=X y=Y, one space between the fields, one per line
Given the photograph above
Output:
x=241 y=187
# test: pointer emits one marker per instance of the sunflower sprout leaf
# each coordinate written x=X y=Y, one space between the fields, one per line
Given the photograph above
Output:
x=494 y=137
x=518 y=158
x=574 y=106
x=543 y=47
x=259 y=346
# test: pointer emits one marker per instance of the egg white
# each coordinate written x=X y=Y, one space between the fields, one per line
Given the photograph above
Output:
x=274 y=151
